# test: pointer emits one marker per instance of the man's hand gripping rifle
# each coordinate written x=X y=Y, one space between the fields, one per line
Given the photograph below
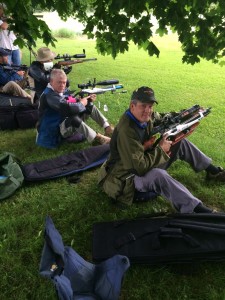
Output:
x=89 y=91
x=178 y=127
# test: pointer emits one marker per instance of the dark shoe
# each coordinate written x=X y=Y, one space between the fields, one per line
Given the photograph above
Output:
x=219 y=177
x=101 y=140
x=109 y=131
x=200 y=208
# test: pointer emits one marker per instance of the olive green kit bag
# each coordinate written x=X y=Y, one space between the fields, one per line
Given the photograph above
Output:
x=11 y=176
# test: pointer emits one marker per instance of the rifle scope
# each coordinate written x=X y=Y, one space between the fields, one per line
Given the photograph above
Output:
x=67 y=56
x=104 y=82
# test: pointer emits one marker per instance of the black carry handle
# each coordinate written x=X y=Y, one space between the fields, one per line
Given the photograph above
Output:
x=172 y=233
x=108 y=82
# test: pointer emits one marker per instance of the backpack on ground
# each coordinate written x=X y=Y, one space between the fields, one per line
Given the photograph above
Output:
x=75 y=278
x=17 y=112
x=11 y=176
x=162 y=239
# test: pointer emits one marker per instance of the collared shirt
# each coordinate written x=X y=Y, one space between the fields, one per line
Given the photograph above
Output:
x=139 y=124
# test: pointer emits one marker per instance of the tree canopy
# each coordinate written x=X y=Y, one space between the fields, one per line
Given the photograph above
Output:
x=199 y=24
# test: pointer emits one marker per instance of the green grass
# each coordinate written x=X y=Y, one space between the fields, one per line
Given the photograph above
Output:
x=75 y=207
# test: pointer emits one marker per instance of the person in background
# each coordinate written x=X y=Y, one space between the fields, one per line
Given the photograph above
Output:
x=7 y=38
x=133 y=167
x=60 y=119
x=11 y=81
x=40 y=69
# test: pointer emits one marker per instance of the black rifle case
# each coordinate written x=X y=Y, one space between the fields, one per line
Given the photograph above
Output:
x=162 y=239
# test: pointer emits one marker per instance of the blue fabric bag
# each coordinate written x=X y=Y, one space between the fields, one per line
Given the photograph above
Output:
x=73 y=277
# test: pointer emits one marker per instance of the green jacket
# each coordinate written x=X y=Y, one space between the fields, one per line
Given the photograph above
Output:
x=128 y=158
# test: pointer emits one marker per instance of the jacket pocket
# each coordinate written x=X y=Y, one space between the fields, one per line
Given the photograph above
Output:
x=113 y=187
x=121 y=190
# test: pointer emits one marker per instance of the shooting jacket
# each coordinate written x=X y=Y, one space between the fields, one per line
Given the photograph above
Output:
x=128 y=158
x=40 y=76
x=52 y=110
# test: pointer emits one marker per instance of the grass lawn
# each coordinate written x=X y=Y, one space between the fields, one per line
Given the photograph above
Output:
x=75 y=207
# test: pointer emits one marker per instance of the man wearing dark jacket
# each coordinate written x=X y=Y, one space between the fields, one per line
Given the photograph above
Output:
x=132 y=167
x=40 y=69
x=60 y=117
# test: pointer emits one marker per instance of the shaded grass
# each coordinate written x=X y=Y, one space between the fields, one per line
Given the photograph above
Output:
x=75 y=207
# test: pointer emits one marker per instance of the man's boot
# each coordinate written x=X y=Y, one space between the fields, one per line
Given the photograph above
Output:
x=109 y=131
x=101 y=140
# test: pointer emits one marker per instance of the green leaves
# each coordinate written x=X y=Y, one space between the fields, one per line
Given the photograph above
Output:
x=199 y=24
x=152 y=49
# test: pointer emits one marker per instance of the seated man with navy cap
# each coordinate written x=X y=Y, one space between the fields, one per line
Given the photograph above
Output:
x=131 y=167
x=10 y=79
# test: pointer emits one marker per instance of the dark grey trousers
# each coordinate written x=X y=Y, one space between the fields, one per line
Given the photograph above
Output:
x=158 y=180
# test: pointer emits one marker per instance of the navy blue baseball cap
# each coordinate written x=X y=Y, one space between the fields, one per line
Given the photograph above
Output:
x=144 y=94
x=5 y=52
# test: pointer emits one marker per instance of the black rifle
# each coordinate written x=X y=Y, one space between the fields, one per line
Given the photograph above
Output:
x=67 y=59
x=14 y=67
x=94 y=83
x=68 y=56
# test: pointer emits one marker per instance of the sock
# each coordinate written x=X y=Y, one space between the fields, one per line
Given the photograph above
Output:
x=105 y=125
x=212 y=169
x=200 y=208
